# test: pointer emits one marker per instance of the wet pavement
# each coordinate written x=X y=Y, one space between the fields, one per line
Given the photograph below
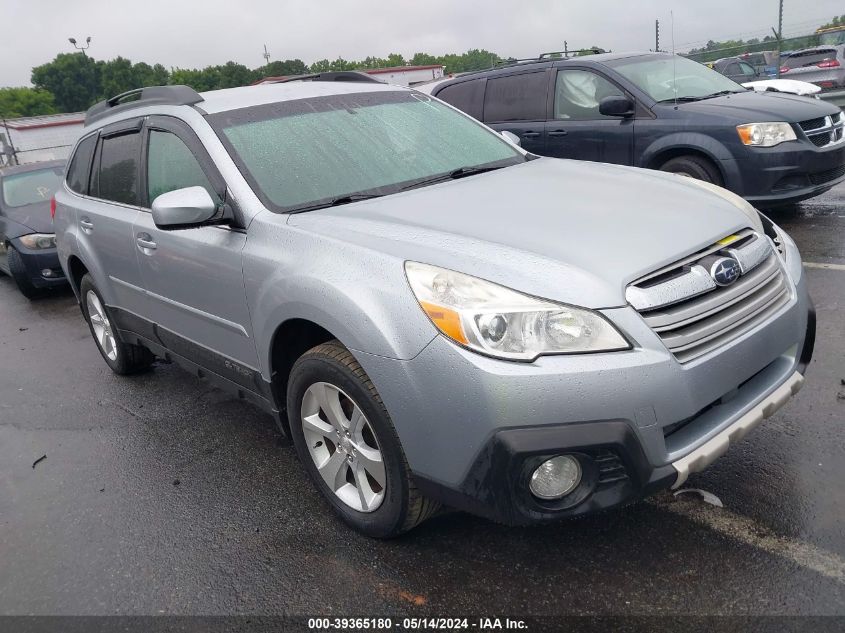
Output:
x=159 y=494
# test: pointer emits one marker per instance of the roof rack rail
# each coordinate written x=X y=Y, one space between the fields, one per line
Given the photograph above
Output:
x=151 y=95
x=568 y=53
x=513 y=62
x=334 y=75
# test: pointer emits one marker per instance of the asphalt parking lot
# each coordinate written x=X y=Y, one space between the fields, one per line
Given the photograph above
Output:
x=161 y=495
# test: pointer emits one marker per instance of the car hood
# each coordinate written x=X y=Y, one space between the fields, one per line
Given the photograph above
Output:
x=35 y=217
x=571 y=231
x=758 y=107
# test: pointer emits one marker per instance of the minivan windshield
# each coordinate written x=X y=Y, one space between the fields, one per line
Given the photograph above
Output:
x=307 y=153
x=670 y=77
x=31 y=187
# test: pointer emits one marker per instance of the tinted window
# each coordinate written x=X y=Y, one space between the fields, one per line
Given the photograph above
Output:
x=80 y=165
x=467 y=96
x=171 y=165
x=732 y=69
x=118 y=177
x=747 y=69
x=516 y=98
x=31 y=187
x=578 y=93
x=810 y=58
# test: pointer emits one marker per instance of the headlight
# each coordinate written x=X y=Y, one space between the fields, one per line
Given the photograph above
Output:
x=39 y=241
x=497 y=321
x=765 y=134
x=739 y=202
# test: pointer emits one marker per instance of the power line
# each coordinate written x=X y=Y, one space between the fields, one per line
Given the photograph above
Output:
x=796 y=28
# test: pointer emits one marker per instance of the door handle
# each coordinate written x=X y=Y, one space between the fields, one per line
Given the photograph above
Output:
x=530 y=134
x=86 y=225
x=146 y=243
x=558 y=133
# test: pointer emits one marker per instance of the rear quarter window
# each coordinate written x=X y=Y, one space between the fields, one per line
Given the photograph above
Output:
x=467 y=96
x=519 y=97
x=80 y=165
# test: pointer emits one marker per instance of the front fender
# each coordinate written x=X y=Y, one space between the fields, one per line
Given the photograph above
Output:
x=693 y=141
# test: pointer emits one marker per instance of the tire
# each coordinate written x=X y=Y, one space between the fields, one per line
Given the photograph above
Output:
x=121 y=357
x=331 y=370
x=17 y=269
x=694 y=167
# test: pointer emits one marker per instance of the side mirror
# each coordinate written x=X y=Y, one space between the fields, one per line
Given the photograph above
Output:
x=512 y=138
x=616 y=105
x=187 y=208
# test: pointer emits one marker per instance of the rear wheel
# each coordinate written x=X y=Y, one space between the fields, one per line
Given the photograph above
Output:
x=345 y=439
x=121 y=357
x=18 y=271
x=694 y=167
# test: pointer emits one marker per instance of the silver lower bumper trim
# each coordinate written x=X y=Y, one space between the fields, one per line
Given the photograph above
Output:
x=716 y=446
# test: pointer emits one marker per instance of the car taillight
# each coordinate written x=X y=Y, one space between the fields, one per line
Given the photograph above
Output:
x=53 y=207
x=829 y=63
x=784 y=69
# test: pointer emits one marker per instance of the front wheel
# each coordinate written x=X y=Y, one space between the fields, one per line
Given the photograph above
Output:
x=694 y=167
x=121 y=357
x=345 y=439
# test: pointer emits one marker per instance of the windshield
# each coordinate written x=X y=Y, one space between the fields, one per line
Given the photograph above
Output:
x=832 y=39
x=31 y=187
x=667 y=77
x=310 y=151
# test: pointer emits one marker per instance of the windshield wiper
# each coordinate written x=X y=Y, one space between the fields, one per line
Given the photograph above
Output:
x=460 y=172
x=336 y=202
x=687 y=98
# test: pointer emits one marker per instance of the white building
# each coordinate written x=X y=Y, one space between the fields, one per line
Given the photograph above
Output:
x=37 y=138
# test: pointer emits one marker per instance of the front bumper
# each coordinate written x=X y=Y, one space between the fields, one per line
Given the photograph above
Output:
x=36 y=261
x=474 y=428
x=787 y=173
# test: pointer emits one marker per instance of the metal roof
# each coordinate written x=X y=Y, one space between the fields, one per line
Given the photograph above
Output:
x=47 y=120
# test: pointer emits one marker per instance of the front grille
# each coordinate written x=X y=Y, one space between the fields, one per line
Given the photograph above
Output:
x=820 y=178
x=820 y=140
x=697 y=318
x=610 y=467
x=813 y=124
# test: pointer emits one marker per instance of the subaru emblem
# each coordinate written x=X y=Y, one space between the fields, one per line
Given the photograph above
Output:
x=725 y=271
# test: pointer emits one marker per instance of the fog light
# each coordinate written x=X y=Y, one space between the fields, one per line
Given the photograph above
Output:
x=46 y=273
x=556 y=477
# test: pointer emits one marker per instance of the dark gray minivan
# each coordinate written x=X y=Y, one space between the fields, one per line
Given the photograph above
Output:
x=661 y=111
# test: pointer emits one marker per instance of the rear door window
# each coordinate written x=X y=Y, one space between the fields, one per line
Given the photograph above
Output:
x=80 y=165
x=118 y=168
x=467 y=96
x=519 y=97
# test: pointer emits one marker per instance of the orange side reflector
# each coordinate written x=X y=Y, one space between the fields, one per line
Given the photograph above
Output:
x=446 y=320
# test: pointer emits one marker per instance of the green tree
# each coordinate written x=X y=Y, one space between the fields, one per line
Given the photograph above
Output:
x=117 y=76
x=423 y=59
x=321 y=66
x=16 y=102
x=395 y=59
x=146 y=75
x=232 y=75
x=284 y=68
x=200 y=80
x=72 y=78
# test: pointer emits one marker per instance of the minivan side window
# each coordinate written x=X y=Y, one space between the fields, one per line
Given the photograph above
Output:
x=118 y=173
x=467 y=96
x=171 y=165
x=519 y=97
x=80 y=165
x=578 y=93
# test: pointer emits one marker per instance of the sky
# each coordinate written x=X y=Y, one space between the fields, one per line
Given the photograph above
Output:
x=194 y=33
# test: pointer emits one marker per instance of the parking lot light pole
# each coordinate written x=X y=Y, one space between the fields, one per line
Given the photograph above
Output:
x=79 y=47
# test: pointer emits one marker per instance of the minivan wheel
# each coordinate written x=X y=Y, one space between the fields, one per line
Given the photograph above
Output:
x=694 y=167
x=121 y=357
x=345 y=439
x=21 y=277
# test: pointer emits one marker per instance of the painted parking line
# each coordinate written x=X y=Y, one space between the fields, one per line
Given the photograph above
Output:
x=751 y=533
x=824 y=266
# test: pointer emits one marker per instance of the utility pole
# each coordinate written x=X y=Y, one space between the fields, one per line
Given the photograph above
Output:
x=779 y=34
x=266 y=55
x=657 y=36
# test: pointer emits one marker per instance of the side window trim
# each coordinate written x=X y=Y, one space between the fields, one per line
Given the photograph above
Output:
x=181 y=130
x=87 y=187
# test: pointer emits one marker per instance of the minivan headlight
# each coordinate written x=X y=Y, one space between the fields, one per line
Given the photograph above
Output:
x=501 y=322
x=39 y=241
x=765 y=134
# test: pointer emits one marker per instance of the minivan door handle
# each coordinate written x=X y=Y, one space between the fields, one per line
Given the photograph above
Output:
x=558 y=133
x=145 y=243
x=86 y=225
x=530 y=134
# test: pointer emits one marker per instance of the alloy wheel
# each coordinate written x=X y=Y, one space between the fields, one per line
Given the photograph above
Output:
x=101 y=325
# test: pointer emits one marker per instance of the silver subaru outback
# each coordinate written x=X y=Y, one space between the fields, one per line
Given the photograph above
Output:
x=434 y=316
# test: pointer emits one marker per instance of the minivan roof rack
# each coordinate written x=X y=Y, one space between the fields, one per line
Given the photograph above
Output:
x=334 y=75
x=151 y=95
x=568 y=53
